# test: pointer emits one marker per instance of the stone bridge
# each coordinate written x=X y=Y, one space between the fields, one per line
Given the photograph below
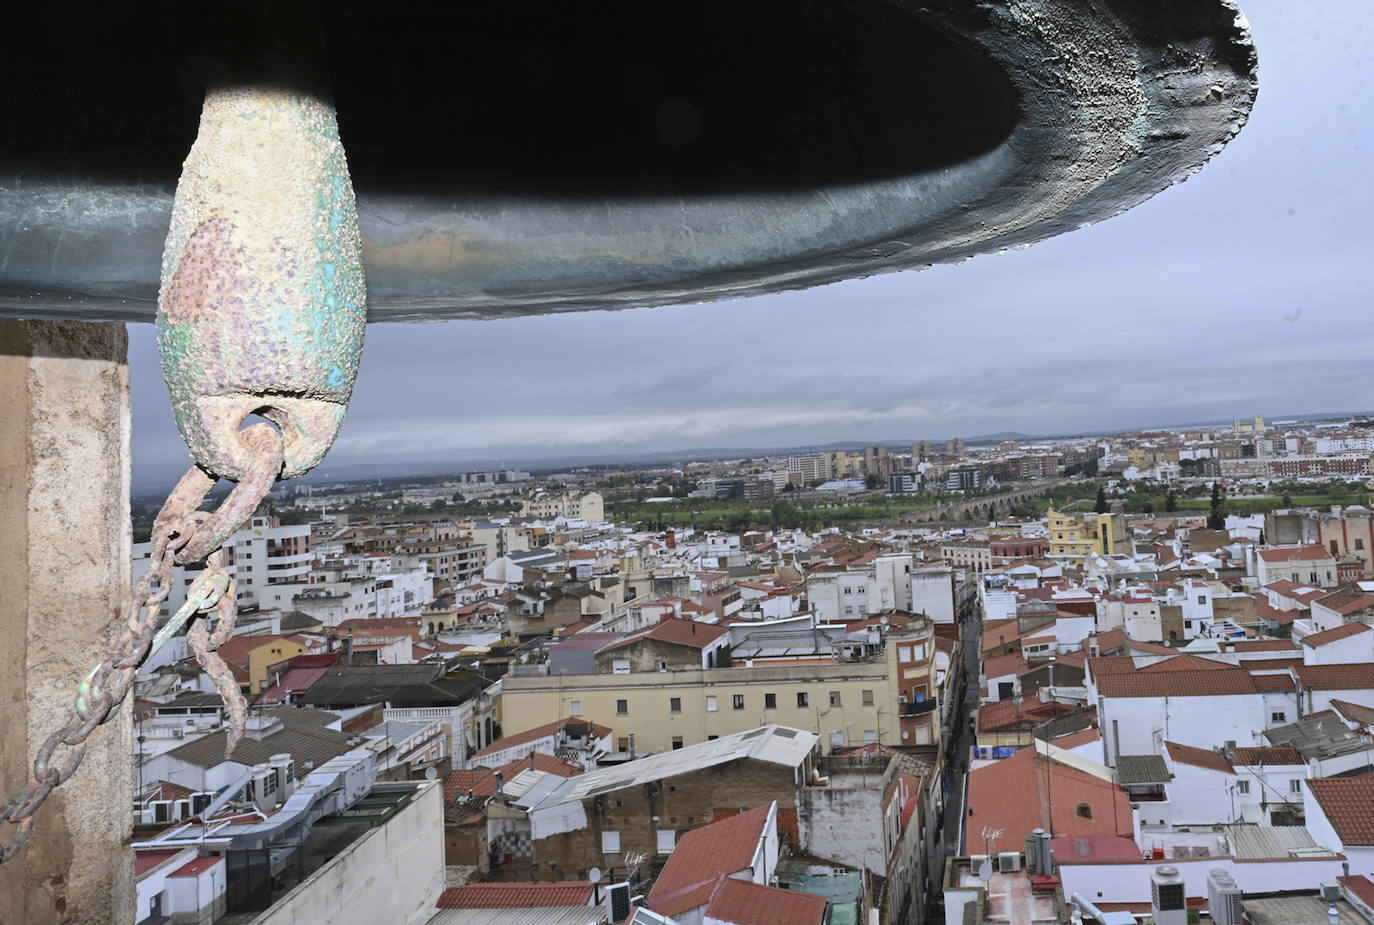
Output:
x=983 y=508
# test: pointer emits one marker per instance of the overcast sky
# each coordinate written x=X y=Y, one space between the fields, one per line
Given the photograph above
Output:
x=1246 y=289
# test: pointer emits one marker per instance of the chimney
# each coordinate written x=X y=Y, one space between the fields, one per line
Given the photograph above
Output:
x=531 y=761
x=498 y=783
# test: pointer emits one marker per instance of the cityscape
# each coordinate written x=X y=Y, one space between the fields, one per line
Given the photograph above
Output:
x=765 y=463
x=903 y=684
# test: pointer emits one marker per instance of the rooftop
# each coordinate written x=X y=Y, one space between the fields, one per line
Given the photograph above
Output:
x=516 y=895
x=703 y=856
x=740 y=902
x=1349 y=804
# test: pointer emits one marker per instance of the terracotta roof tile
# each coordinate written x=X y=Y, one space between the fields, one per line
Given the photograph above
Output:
x=1012 y=795
x=740 y=902
x=1268 y=755
x=1347 y=601
x=1345 y=677
x=1336 y=633
x=1185 y=663
x=702 y=856
x=482 y=781
x=1191 y=683
x=1274 y=683
x=1360 y=885
x=1349 y=803
x=677 y=632
x=515 y=895
x=1263 y=645
x=1198 y=757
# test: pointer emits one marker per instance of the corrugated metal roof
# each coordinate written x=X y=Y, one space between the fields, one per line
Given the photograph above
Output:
x=1142 y=769
x=772 y=743
x=1263 y=842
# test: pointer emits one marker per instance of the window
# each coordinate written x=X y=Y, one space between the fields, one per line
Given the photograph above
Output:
x=662 y=666
x=674 y=704
x=848 y=610
x=620 y=666
x=770 y=701
x=575 y=708
x=1334 y=550
x=904 y=653
x=837 y=740
x=1085 y=811
x=622 y=708
x=1359 y=543
x=835 y=699
x=739 y=701
x=870 y=736
x=711 y=704
x=610 y=841
x=677 y=742
x=712 y=738
x=667 y=840
x=1242 y=786
x=803 y=699
x=1278 y=716
x=1202 y=599
x=867 y=698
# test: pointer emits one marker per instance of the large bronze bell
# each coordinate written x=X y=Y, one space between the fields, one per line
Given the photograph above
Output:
x=525 y=156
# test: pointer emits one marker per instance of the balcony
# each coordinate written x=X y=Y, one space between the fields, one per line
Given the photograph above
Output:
x=918 y=707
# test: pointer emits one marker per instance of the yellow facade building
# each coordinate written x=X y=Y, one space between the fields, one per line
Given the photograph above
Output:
x=1074 y=535
x=846 y=703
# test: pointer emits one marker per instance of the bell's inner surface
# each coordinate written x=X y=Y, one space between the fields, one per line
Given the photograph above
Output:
x=529 y=156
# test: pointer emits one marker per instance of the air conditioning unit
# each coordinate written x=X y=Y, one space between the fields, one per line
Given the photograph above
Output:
x=1330 y=892
x=1168 y=902
x=178 y=733
x=901 y=698
x=1008 y=862
x=1224 y=897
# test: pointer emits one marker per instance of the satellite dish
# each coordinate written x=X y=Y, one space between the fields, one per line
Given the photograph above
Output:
x=985 y=870
x=431 y=773
x=594 y=875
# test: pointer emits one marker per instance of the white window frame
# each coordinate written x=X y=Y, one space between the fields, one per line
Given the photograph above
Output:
x=666 y=840
x=610 y=841
x=574 y=708
x=712 y=704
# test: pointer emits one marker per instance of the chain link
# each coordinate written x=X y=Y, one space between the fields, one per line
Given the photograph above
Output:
x=182 y=535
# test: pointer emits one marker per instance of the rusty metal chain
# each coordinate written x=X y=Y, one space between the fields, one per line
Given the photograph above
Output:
x=182 y=535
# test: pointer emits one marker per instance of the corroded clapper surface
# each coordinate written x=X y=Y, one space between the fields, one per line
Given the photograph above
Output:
x=262 y=301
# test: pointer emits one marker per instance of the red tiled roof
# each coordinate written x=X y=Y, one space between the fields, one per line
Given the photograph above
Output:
x=741 y=902
x=1360 y=885
x=702 y=856
x=1268 y=755
x=1347 y=601
x=196 y=868
x=1274 y=683
x=1008 y=714
x=1013 y=795
x=1292 y=553
x=1185 y=663
x=515 y=895
x=1336 y=633
x=1263 y=645
x=1269 y=664
x=1221 y=682
x=1111 y=664
x=146 y=860
x=482 y=781
x=539 y=732
x=236 y=649
x=1199 y=757
x=1344 y=677
x=1355 y=712
x=1349 y=803
x=676 y=632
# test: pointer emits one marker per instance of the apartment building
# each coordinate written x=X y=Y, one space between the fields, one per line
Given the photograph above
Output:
x=577 y=505
x=1073 y=536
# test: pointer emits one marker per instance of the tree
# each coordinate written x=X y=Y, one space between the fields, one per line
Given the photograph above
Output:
x=1171 y=501
x=1101 y=507
x=1287 y=500
x=1216 y=519
x=873 y=482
